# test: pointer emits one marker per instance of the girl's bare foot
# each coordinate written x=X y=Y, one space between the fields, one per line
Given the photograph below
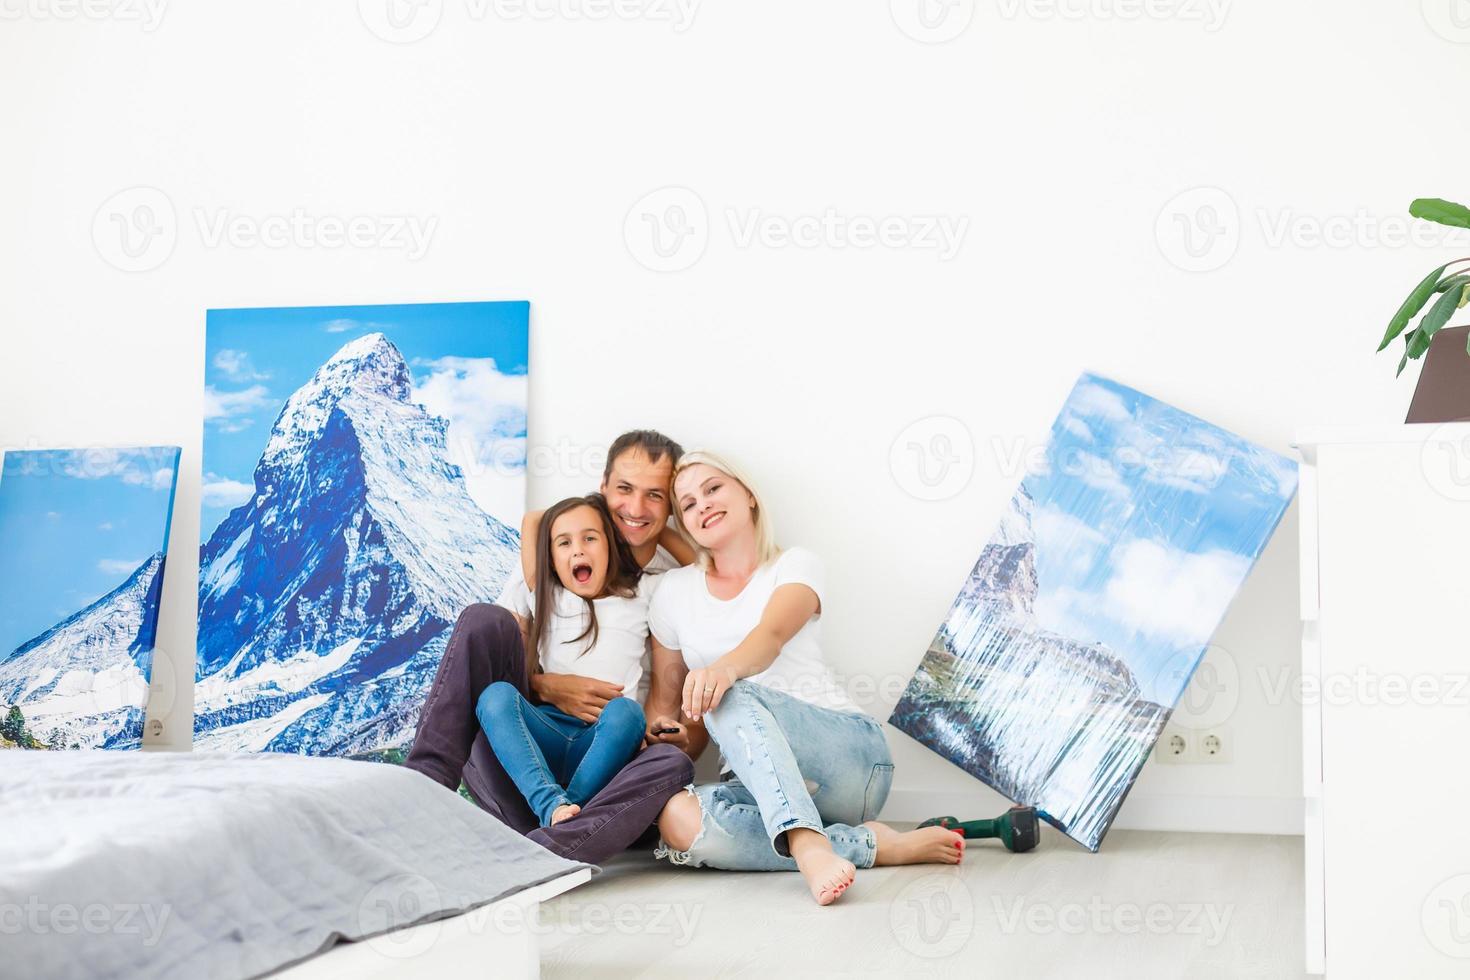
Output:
x=928 y=845
x=826 y=874
x=564 y=812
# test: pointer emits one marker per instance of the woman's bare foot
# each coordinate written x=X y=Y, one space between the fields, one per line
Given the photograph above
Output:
x=564 y=812
x=826 y=874
x=928 y=845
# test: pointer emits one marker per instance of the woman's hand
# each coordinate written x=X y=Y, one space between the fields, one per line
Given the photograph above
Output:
x=704 y=689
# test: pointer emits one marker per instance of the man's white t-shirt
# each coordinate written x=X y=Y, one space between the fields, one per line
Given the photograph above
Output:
x=622 y=636
x=516 y=597
x=685 y=617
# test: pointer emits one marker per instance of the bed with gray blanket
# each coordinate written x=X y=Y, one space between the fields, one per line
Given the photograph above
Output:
x=190 y=865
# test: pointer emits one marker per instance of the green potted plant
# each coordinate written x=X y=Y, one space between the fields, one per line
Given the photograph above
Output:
x=1453 y=288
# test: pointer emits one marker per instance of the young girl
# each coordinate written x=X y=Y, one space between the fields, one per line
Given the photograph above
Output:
x=590 y=602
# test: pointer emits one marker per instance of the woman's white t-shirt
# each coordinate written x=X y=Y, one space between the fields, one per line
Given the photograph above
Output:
x=622 y=636
x=685 y=617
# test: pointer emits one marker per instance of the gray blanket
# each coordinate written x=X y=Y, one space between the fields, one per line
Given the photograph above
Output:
x=193 y=865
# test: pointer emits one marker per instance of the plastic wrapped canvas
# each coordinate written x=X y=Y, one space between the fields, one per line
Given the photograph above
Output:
x=364 y=482
x=83 y=535
x=1090 y=607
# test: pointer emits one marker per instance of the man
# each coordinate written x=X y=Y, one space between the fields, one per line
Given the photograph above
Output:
x=636 y=463
x=487 y=646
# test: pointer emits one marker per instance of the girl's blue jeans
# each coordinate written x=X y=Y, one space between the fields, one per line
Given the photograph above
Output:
x=552 y=757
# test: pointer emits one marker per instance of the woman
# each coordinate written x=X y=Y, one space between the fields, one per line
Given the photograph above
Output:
x=737 y=647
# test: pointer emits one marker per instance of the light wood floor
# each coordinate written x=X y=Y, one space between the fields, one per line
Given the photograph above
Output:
x=1149 y=905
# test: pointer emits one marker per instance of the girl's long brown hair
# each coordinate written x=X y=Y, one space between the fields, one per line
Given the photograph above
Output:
x=623 y=571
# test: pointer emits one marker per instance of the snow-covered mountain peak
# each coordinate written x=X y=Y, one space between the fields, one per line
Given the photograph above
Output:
x=326 y=600
x=117 y=617
x=369 y=365
x=454 y=553
x=1015 y=523
x=370 y=362
x=87 y=676
x=1005 y=574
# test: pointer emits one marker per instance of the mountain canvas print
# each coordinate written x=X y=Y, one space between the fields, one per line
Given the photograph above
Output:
x=364 y=481
x=83 y=535
x=1089 y=609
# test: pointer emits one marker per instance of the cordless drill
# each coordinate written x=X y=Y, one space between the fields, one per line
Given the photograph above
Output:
x=1017 y=828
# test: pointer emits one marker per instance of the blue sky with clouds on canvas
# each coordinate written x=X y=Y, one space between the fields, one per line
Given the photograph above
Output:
x=468 y=361
x=1147 y=521
x=75 y=524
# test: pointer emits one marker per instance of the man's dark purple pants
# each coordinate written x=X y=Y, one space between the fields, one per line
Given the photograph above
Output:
x=485 y=647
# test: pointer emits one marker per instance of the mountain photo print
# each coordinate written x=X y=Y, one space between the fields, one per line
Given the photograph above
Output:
x=364 y=481
x=1086 y=614
x=83 y=535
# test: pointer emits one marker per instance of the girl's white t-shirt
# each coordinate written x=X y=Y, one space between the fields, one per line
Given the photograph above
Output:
x=517 y=598
x=622 y=636
x=685 y=617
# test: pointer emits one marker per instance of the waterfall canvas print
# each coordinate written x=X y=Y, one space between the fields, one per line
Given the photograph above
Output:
x=364 y=481
x=83 y=535
x=1089 y=609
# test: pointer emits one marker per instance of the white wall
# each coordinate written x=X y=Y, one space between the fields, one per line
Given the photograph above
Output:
x=1062 y=139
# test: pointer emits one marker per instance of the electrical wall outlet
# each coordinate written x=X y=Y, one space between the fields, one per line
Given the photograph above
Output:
x=1213 y=746
x=1189 y=746
x=1173 y=747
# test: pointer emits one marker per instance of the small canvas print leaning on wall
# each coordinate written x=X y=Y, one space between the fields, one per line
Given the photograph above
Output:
x=83 y=538
x=1081 y=623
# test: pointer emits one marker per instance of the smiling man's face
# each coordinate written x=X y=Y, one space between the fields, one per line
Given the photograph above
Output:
x=637 y=492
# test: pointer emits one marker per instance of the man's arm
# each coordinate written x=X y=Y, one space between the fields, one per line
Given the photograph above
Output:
x=662 y=710
x=530 y=528
x=673 y=542
x=581 y=697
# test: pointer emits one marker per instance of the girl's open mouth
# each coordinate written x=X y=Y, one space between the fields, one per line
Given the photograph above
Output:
x=582 y=572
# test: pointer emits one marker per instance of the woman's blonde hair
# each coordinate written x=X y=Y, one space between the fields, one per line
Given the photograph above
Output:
x=765 y=538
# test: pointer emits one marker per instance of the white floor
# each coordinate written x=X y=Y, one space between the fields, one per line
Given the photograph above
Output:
x=1163 y=905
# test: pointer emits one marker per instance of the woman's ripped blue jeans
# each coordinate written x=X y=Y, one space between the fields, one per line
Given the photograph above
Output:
x=795 y=765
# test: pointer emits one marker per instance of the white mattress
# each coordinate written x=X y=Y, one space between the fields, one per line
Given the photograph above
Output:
x=195 y=865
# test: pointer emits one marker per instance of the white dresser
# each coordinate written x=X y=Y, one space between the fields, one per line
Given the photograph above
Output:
x=1385 y=598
